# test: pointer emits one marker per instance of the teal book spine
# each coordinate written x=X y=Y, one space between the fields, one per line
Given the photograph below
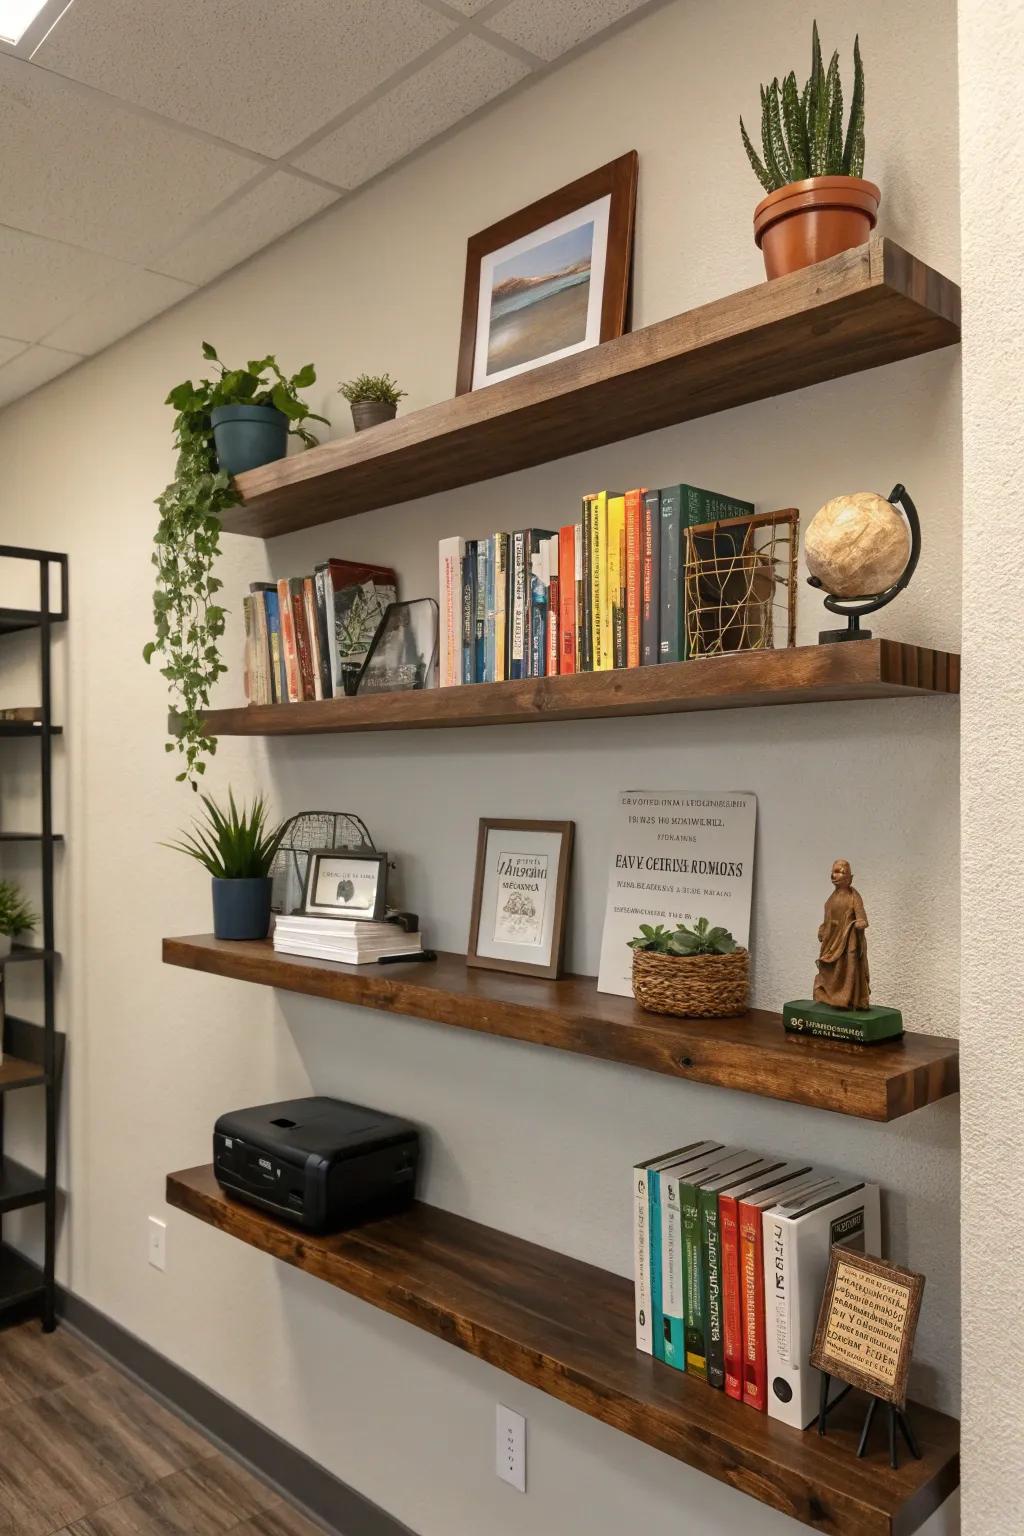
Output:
x=654 y=1235
x=672 y=1302
x=693 y=1283
x=711 y=1254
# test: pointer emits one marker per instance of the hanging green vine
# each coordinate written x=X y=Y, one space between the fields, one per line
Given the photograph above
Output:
x=187 y=617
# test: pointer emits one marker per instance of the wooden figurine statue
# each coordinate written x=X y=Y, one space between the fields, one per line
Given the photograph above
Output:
x=843 y=980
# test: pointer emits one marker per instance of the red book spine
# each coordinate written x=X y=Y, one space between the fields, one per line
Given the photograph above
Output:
x=634 y=575
x=755 y=1367
x=302 y=645
x=554 y=619
x=732 y=1321
x=567 y=599
x=291 y=655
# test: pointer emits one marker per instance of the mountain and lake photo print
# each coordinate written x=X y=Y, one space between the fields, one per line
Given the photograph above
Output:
x=540 y=299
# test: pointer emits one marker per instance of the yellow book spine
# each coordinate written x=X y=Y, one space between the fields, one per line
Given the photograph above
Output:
x=600 y=597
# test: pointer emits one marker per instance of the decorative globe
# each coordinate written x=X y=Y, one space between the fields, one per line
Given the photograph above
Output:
x=857 y=545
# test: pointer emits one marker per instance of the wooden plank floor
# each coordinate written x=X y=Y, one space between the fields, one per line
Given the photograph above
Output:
x=85 y=1452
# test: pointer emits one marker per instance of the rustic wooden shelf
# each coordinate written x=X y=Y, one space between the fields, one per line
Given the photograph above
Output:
x=567 y=1328
x=15 y=1073
x=809 y=674
x=869 y=306
x=752 y=1054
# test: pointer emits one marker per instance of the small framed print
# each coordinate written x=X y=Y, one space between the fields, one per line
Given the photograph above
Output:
x=866 y=1327
x=343 y=883
x=520 y=895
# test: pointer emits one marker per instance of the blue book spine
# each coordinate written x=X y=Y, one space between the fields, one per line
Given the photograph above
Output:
x=468 y=609
x=278 y=681
x=538 y=624
x=489 y=632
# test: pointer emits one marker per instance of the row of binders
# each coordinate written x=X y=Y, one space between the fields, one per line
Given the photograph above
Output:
x=731 y=1251
x=601 y=593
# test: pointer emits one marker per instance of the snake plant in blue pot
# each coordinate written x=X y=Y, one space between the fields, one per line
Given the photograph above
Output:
x=238 y=849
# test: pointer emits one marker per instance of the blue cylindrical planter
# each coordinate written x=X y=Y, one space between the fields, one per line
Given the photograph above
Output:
x=247 y=436
x=241 y=908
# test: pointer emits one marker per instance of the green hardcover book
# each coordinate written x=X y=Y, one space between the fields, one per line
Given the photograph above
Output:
x=708 y=1192
x=692 y=1256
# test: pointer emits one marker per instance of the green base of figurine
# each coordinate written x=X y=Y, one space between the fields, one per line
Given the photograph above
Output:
x=852 y=1026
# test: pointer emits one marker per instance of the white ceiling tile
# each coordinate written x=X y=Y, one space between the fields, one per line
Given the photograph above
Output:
x=79 y=167
x=42 y=281
x=10 y=348
x=255 y=72
x=271 y=209
x=550 y=27
x=461 y=79
x=121 y=307
x=37 y=365
x=469 y=7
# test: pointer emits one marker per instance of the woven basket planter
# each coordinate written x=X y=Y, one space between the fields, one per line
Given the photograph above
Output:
x=692 y=986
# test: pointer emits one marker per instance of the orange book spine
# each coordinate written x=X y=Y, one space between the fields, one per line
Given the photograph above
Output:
x=291 y=655
x=754 y=1355
x=567 y=598
x=732 y=1312
x=634 y=575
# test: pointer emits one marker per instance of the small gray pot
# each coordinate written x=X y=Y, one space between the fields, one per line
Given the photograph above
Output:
x=241 y=908
x=370 y=413
x=248 y=436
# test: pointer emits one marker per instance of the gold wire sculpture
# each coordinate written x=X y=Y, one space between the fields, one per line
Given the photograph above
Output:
x=740 y=583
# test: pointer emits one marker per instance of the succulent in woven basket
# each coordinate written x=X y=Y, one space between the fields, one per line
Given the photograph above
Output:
x=698 y=972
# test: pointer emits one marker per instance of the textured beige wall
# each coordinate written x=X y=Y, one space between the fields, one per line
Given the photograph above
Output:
x=991 y=130
x=530 y=1141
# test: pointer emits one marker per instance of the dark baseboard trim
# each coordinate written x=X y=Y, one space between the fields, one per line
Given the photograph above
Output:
x=316 y=1492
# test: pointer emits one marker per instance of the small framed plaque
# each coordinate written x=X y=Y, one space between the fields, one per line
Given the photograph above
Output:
x=520 y=895
x=343 y=883
x=866 y=1327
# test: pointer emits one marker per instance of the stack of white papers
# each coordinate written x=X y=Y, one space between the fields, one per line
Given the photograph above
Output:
x=348 y=940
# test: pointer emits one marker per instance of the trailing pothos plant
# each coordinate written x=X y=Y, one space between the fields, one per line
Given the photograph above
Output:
x=188 y=618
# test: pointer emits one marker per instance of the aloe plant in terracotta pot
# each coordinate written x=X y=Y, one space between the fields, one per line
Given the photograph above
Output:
x=818 y=203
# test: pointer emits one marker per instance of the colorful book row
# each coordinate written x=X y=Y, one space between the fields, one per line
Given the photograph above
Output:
x=731 y=1251
x=306 y=637
x=602 y=593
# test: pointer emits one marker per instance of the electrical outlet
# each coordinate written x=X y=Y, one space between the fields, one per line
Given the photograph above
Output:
x=510 y=1463
x=157 y=1242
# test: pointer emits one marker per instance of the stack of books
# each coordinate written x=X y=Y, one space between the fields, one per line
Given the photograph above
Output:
x=731 y=1251
x=306 y=636
x=601 y=593
x=352 y=941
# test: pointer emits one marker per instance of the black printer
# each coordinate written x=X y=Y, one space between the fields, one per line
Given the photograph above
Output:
x=318 y=1162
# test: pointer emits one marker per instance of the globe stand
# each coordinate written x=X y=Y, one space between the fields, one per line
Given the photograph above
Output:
x=870 y=603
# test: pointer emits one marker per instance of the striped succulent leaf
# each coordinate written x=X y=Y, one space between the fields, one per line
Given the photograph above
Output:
x=853 y=150
x=780 y=154
x=796 y=128
x=802 y=131
x=834 y=137
x=759 y=170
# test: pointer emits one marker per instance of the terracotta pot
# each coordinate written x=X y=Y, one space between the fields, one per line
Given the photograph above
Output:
x=808 y=221
x=370 y=413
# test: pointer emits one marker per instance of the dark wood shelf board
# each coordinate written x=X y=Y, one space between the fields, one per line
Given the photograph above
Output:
x=752 y=1054
x=19 y=1186
x=867 y=307
x=30 y=837
x=15 y=1073
x=27 y=728
x=23 y=952
x=858 y=669
x=20 y=1280
x=14 y=620
x=567 y=1329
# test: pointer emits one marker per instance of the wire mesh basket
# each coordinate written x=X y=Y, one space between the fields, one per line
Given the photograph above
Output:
x=740 y=583
x=307 y=830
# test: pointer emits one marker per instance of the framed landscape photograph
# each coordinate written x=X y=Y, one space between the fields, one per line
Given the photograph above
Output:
x=520 y=895
x=343 y=883
x=550 y=280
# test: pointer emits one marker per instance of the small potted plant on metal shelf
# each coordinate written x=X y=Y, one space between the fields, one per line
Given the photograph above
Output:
x=691 y=973
x=16 y=917
x=238 y=849
x=373 y=399
x=817 y=203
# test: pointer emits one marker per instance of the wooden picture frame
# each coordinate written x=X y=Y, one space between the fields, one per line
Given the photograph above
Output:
x=612 y=252
x=886 y=1302
x=359 y=861
x=510 y=929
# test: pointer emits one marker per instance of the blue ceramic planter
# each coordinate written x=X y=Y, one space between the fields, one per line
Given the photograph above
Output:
x=247 y=436
x=241 y=908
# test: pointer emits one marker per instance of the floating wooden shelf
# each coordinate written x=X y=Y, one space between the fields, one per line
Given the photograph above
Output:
x=15 y=1073
x=857 y=669
x=14 y=620
x=869 y=306
x=19 y=1186
x=752 y=1054
x=567 y=1328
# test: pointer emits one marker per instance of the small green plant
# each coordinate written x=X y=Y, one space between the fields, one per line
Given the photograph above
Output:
x=802 y=131
x=236 y=845
x=701 y=939
x=187 y=618
x=369 y=387
x=16 y=916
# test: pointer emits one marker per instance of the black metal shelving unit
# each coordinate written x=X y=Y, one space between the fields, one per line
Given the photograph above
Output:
x=33 y=1053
